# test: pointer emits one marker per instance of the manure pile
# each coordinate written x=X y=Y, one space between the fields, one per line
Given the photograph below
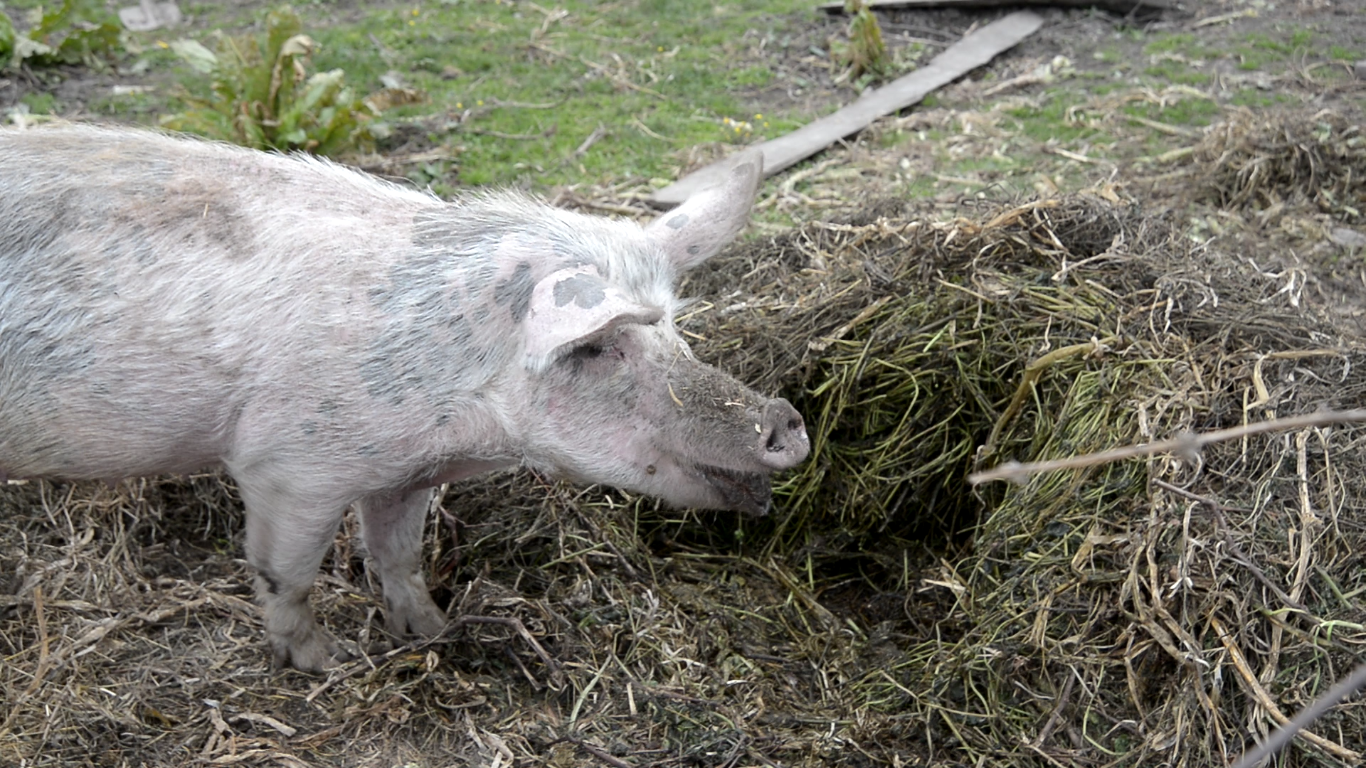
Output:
x=1167 y=610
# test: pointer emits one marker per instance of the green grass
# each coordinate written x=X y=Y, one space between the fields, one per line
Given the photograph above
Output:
x=1179 y=44
x=1178 y=73
x=519 y=90
x=1259 y=99
x=1048 y=121
x=1259 y=50
x=1185 y=112
x=39 y=103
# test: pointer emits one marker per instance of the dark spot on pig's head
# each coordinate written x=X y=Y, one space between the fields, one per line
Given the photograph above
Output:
x=585 y=291
x=694 y=249
x=678 y=222
x=516 y=292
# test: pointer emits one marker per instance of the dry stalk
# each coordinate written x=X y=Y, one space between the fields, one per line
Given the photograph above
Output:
x=1187 y=445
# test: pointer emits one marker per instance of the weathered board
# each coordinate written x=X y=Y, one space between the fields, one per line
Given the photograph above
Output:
x=1114 y=6
x=958 y=59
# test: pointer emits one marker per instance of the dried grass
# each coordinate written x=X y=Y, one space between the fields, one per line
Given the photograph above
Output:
x=1165 y=610
x=1286 y=158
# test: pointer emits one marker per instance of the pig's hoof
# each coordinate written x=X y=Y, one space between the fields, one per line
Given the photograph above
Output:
x=308 y=651
x=419 y=616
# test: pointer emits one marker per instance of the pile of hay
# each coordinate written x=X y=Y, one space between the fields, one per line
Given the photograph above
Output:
x=1286 y=159
x=1161 y=610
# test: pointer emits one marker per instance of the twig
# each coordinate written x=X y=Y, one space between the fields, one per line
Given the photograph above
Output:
x=1057 y=711
x=508 y=136
x=367 y=663
x=603 y=70
x=1187 y=443
x=1355 y=682
x=1234 y=550
x=1171 y=130
x=1250 y=13
x=592 y=139
x=527 y=104
x=1258 y=693
x=593 y=750
x=44 y=642
x=1060 y=152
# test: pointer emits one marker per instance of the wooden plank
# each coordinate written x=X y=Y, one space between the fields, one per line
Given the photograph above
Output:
x=958 y=59
x=1114 y=6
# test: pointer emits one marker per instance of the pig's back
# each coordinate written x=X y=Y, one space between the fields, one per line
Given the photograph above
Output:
x=153 y=290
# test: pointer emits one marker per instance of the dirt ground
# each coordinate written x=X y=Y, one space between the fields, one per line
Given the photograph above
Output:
x=128 y=636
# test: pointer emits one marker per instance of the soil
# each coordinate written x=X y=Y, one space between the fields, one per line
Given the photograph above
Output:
x=181 y=538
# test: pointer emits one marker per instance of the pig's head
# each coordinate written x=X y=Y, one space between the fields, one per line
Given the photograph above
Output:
x=612 y=392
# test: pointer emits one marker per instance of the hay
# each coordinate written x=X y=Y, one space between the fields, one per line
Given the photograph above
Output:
x=1270 y=161
x=1134 y=612
x=1129 y=614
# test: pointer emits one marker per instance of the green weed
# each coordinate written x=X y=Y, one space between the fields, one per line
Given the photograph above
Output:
x=263 y=97
x=865 y=54
x=39 y=103
x=6 y=40
x=74 y=32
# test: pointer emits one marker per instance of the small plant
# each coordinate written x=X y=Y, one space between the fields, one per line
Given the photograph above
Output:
x=736 y=131
x=741 y=131
x=865 y=53
x=75 y=32
x=6 y=40
x=263 y=96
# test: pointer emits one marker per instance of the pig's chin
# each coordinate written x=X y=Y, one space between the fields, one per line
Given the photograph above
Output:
x=747 y=492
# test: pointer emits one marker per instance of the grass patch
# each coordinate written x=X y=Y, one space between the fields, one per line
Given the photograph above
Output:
x=1049 y=120
x=544 y=96
x=1182 y=44
x=1178 y=73
x=1258 y=99
x=1260 y=50
x=39 y=103
x=1188 y=112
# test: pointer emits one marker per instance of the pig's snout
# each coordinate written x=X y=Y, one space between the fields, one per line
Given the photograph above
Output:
x=783 y=442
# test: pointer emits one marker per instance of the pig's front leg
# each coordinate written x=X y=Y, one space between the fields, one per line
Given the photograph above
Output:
x=287 y=536
x=391 y=527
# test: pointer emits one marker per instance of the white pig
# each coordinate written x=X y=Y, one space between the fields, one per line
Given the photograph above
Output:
x=329 y=339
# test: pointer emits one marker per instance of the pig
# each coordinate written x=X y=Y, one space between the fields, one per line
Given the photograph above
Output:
x=332 y=340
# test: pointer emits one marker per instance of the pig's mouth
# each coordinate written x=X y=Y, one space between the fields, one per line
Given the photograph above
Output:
x=746 y=492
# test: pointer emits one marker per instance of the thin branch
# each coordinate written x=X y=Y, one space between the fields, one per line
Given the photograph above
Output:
x=1186 y=444
x=1308 y=715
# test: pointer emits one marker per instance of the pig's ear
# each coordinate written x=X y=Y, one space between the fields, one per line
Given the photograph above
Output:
x=573 y=307
x=694 y=231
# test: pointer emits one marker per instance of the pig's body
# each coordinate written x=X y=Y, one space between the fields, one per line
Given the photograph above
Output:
x=329 y=339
